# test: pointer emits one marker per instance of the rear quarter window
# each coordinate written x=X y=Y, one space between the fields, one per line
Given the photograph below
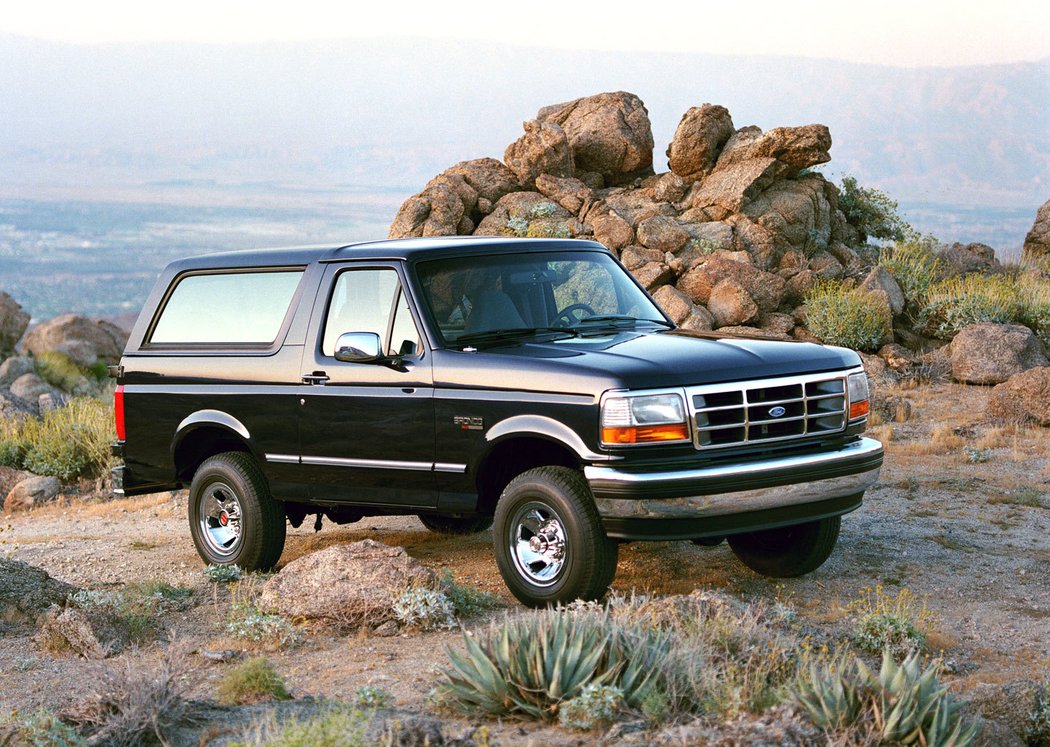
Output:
x=246 y=308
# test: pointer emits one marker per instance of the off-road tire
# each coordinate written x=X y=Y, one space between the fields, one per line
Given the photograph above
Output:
x=455 y=525
x=788 y=551
x=262 y=520
x=588 y=562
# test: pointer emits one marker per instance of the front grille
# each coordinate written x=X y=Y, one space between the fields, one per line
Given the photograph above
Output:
x=767 y=410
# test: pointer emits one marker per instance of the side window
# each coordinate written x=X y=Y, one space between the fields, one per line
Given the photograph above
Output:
x=227 y=307
x=370 y=301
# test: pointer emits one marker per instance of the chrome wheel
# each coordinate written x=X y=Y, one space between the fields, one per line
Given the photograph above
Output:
x=538 y=544
x=220 y=519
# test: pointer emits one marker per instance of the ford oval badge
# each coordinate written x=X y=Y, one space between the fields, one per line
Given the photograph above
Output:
x=776 y=412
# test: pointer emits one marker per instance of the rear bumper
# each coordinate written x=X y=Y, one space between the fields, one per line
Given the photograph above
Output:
x=730 y=498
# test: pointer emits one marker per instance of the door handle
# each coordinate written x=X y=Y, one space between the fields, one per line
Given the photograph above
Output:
x=317 y=377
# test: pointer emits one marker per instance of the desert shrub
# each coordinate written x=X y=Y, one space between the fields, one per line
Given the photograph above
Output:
x=896 y=622
x=850 y=317
x=334 y=727
x=371 y=697
x=900 y=704
x=872 y=212
x=1037 y=732
x=467 y=601
x=222 y=574
x=59 y=371
x=135 y=705
x=957 y=302
x=252 y=681
x=138 y=606
x=67 y=443
x=40 y=728
x=914 y=265
x=595 y=707
x=261 y=629
x=424 y=609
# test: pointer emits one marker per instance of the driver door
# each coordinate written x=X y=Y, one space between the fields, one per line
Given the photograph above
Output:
x=367 y=429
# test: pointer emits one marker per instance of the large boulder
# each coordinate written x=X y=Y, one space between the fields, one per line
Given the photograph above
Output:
x=32 y=491
x=964 y=258
x=609 y=134
x=797 y=214
x=26 y=592
x=13 y=322
x=529 y=214
x=1037 y=242
x=488 y=177
x=572 y=194
x=764 y=288
x=662 y=232
x=1023 y=397
x=13 y=407
x=795 y=148
x=348 y=584
x=543 y=149
x=436 y=211
x=731 y=187
x=730 y=304
x=84 y=341
x=698 y=140
x=29 y=387
x=990 y=353
x=612 y=230
x=880 y=279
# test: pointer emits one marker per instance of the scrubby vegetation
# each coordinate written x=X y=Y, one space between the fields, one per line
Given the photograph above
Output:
x=955 y=302
x=68 y=443
x=850 y=317
x=425 y=609
x=872 y=212
x=252 y=681
x=914 y=266
x=138 y=607
x=261 y=629
x=335 y=727
x=897 y=622
x=59 y=371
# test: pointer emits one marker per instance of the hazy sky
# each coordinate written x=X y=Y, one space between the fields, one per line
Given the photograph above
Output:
x=894 y=32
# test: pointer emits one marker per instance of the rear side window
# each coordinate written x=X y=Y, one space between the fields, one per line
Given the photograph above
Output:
x=229 y=307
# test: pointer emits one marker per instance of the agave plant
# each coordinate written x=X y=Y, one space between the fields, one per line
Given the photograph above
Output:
x=827 y=694
x=908 y=705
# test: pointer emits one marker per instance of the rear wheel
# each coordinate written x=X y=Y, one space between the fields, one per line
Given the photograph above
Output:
x=549 y=541
x=455 y=525
x=233 y=518
x=787 y=551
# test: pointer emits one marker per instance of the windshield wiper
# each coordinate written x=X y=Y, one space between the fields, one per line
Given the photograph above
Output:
x=617 y=321
x=514 y=334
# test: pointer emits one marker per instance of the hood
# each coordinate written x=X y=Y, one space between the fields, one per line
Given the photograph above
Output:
x=637 y=360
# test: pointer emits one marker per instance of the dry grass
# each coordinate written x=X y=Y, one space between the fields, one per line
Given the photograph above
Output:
x=992 y=438
x=883 y=433
x=942 y=440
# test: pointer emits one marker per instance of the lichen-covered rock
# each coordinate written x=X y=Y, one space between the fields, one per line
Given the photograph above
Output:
x=543 y=149
x=13 y=323
x=730 y=304
x=989 y=353
x=528 y=214
x=488 y=177
x=30 y=492
x=1037 y=242
x=569 y=192
x=26 y=592
x=898 y=357
x=635 y=206
x=699 y=138
x=348 y=584
x=1024 y=397
x=609 y=133
x=662 y=233
x=85 y=341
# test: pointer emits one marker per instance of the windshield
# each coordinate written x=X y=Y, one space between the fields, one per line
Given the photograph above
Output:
x=510 y=297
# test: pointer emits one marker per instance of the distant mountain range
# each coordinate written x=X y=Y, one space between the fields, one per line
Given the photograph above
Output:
x=965 y=149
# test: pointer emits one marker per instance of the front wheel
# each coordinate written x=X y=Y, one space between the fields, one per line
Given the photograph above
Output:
x=788 y=551
x=550 y=544
x=233 y=518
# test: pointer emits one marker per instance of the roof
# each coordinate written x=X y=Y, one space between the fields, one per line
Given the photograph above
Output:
x=406 y=249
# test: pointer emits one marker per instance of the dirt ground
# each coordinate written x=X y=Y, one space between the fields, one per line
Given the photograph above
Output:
x=961 y=517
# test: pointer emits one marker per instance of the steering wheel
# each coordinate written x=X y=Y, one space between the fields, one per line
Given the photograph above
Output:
x=566 y=317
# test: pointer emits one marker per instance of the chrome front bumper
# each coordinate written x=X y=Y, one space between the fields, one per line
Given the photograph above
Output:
x=736 y=488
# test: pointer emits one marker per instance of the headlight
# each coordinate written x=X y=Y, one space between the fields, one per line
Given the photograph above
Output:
x=640 y=419
x=858 y=395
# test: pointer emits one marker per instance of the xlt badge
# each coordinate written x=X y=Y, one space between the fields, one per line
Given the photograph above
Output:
x=468 y=423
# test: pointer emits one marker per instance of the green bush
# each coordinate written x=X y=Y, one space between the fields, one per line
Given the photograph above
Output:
x=901 y=704
x=595 y=707
x=38 y=729
x=59 y=371
x=371 y=697
x=914 y=265
x=264 y=630
x=335 y=727
x=467 y=601
x=872 y=212
x=897 y=622
x=67 y=443
x=252 y=681
x=956 y=302
x=851 y=317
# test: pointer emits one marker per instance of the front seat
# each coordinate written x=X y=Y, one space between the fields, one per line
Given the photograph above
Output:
x=493 y=310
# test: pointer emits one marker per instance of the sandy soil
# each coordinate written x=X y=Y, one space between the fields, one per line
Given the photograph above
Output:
x=971 y=538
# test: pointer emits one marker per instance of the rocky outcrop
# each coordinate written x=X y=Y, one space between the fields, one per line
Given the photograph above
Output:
x=346 y=584
x=13 y=323
x=30 y=492
x=609 y=134
x=26 y=592
x=700 y=136
x=1037 y=242
x=84 y=341
x=1024 y=397
x=966 y=258
x=543 y=149
x=991 y=353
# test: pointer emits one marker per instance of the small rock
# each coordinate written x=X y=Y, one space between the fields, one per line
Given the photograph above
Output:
x=33 y=491
x=879 y=278
x=94 y=634
x=29 y=387
x=612 y=231
x=387 y=629
x=26 y=592
x=13 y=368
x=1024 y=397
x=13 y=322
x=662 y=233
x=730 y=304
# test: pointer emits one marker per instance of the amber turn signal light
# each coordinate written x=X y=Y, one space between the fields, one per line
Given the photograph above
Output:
x=858 y=409
x=641 y=434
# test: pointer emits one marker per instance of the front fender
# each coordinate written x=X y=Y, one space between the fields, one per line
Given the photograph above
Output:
x=543 y=427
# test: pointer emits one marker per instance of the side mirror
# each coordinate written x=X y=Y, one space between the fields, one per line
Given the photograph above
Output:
x=358 y=347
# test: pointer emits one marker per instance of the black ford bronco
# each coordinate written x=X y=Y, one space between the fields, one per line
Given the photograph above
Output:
x=532 y=384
